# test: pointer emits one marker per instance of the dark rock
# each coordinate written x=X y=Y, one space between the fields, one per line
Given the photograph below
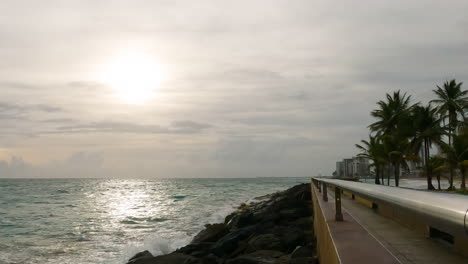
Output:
x=264 y=242
x=228 y=244
x=211 y=233
x=290 y=237
x=300 y=192
x=295 y=213
x=303 y=261
x=139 y=256
x=211 y=259
x=283 y=259
x=242 y=219
x=257 y=257
x=173 y=258
x=241 y=249
x=305 y=223
x=310 y=238
x=267 y=215
x=196 y=250
x=303 y=252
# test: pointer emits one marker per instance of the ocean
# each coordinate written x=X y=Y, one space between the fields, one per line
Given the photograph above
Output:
x=109 y=220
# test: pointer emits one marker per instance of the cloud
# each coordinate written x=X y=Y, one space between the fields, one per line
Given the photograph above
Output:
x=178 y=127
x=77 y=165
x=288 y=84
x=263 y=150
x=17 y=111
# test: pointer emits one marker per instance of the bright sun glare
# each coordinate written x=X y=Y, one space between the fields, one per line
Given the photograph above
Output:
x=133 y=78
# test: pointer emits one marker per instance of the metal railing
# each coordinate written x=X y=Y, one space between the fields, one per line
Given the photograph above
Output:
x=444 y=211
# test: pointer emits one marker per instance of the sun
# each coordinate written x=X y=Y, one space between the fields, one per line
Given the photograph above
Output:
x=133 y=78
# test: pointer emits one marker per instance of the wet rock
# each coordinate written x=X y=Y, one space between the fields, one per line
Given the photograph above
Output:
x=211 y=233
x=212 y=259
x=303 y=252
x=290 y=237
x=228 y=243
x=305 y=223
x=196 y=250
x=303 y=261
x=291 y=214
x=174 y=258
x=264 y=242
x=243 y=218
x=257 y=257
x=140 y=256
x=283 y=259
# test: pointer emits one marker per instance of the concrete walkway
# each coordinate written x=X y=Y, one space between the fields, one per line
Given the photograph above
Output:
x=402 y=242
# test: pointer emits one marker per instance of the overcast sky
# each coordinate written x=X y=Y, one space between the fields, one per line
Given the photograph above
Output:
x=249 y=88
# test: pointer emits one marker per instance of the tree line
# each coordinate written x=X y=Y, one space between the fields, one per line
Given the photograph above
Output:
x=405 y=132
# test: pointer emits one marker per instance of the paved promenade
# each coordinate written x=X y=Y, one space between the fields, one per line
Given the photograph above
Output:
x=405 y=244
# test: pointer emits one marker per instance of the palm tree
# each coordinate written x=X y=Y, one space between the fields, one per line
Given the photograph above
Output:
x=452 y=102
x=393 y=126
x=373 y=150
x=457 y=155
x=396 y=147
x=427 y=130
x=391 y=113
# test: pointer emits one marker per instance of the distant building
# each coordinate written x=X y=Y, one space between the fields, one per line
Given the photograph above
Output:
x=348 y=168
x=361 y=167
x=353 y=167
x=339 y=169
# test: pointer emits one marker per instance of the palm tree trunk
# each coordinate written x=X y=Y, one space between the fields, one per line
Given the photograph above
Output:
x=388 y=176
x=462 y=169
x=450 y=144
x=451 y=178
x=426 y=161
x=438 y=180
x=382 y=176
x=377 y=174
x=396 y=171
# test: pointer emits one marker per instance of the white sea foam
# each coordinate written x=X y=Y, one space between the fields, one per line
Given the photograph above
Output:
x=156 y=244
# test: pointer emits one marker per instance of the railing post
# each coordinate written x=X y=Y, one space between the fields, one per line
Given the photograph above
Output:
x=338 y=214
x=325 y=196
x=319 y=186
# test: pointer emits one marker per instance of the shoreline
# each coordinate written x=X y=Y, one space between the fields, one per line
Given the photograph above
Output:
x=274 y=229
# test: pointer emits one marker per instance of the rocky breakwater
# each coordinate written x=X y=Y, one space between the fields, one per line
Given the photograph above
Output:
x=276 y=229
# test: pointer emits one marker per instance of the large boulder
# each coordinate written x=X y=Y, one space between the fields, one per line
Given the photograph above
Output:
x=211 y=233
x=258 y=257
x=290 y=237
x=299 y=192
x=140 y=256
x=265 y=242
x=242 y=218
x=173 y=258
x=305 y=223
x=303 y=261
x=303 y=252
x=228 y=244
x=196 y=250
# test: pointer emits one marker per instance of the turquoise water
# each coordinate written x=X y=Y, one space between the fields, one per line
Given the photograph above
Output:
x=108 y=220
